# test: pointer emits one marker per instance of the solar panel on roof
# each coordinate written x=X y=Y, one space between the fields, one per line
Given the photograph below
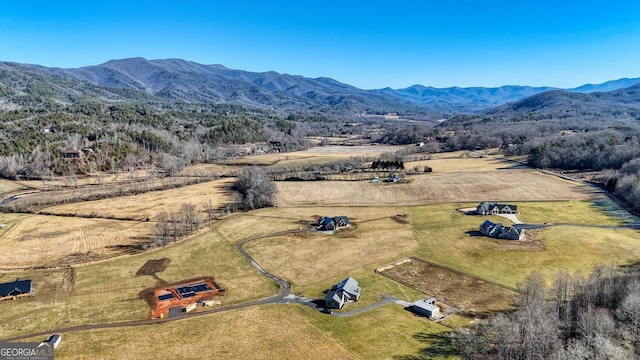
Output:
x=165 y=297
x=188 y=295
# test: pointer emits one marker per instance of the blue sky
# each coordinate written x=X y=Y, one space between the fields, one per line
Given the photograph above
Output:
x=368 y=44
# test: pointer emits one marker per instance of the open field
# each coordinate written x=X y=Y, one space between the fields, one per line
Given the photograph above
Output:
x=507 y=185
x=430 y=228
x=375 y=239
x=444 y=238
x=445 y=165
x=112 y=291
x=268 y=332
x=39 y=240
x=8 y=186
x=386 y=332
x=315 y=154
x=149 y=205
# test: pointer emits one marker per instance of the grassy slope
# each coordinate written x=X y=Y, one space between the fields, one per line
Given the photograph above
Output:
x=569 y=248
x=108 y=291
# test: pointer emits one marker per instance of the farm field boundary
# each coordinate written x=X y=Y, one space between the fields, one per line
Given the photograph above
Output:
x=380 y=271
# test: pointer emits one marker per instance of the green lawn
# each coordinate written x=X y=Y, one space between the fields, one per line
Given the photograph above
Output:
x=443 y=237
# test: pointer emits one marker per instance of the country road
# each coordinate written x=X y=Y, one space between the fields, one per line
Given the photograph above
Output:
x=285 y=289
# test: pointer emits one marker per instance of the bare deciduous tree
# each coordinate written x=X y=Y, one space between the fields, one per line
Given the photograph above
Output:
x=256 y=188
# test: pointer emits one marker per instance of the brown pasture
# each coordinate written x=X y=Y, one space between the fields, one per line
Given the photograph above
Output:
x=305 y=259
x=150 y=204
x=336 y=152
x=467 y=293
x=39 y=240
x=504 y=185
x=268 y=332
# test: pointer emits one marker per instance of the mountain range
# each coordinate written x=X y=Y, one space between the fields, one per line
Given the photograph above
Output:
x=176 y=80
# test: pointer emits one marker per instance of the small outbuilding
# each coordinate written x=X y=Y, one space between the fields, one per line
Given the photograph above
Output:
x=16 y=289
x=426 y=307
x=55 y=340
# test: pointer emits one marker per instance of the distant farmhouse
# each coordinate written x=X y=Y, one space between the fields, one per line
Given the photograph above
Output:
x=487 y=208
x=326 y=223
x=16 y=289
x=345 y=291
x=499 y=231
x=426 y=307
x=73 y=154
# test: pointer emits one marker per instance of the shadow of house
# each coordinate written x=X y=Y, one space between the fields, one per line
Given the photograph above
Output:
x=345 y=291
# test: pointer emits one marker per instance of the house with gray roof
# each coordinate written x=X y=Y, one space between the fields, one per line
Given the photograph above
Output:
x=347 y=290
x=499 y=231
x=326 y=223
x=16 y=289
x=487 y=208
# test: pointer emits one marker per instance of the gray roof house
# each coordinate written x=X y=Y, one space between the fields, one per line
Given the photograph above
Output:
x=487 y=208
x=344 y=291
x=16 y=288
x=426 y=307
x=334 y=300
x=326 y=223
x=499 y=231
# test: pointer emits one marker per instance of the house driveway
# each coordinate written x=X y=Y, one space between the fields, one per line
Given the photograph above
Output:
x=512 y=217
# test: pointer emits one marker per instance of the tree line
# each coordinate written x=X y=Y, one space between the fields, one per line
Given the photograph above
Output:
x=577 y=317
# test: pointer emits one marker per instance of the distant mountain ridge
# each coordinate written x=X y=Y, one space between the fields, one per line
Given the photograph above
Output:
x=187 y=81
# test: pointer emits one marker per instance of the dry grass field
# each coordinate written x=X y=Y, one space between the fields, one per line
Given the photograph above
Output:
x=112 y=291
x=8 y=186
x=430 y=228
x=507 y=185
x=268 y=332
x=39 y=240
x=149 y=205
x=311 y=259
x=317 y=154
x=445 y=165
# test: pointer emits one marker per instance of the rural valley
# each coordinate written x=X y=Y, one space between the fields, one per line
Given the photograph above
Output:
x=171 y=209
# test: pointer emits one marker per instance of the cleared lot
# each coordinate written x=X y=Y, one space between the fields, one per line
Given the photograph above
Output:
x=148 y=205
x=507 y=185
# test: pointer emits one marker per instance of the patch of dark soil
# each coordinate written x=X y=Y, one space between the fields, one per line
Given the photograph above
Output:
x=46 y=235
x=401 y=218
x=79 y=257
x=127 y=249
x=68 y=281
x=530 y=242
